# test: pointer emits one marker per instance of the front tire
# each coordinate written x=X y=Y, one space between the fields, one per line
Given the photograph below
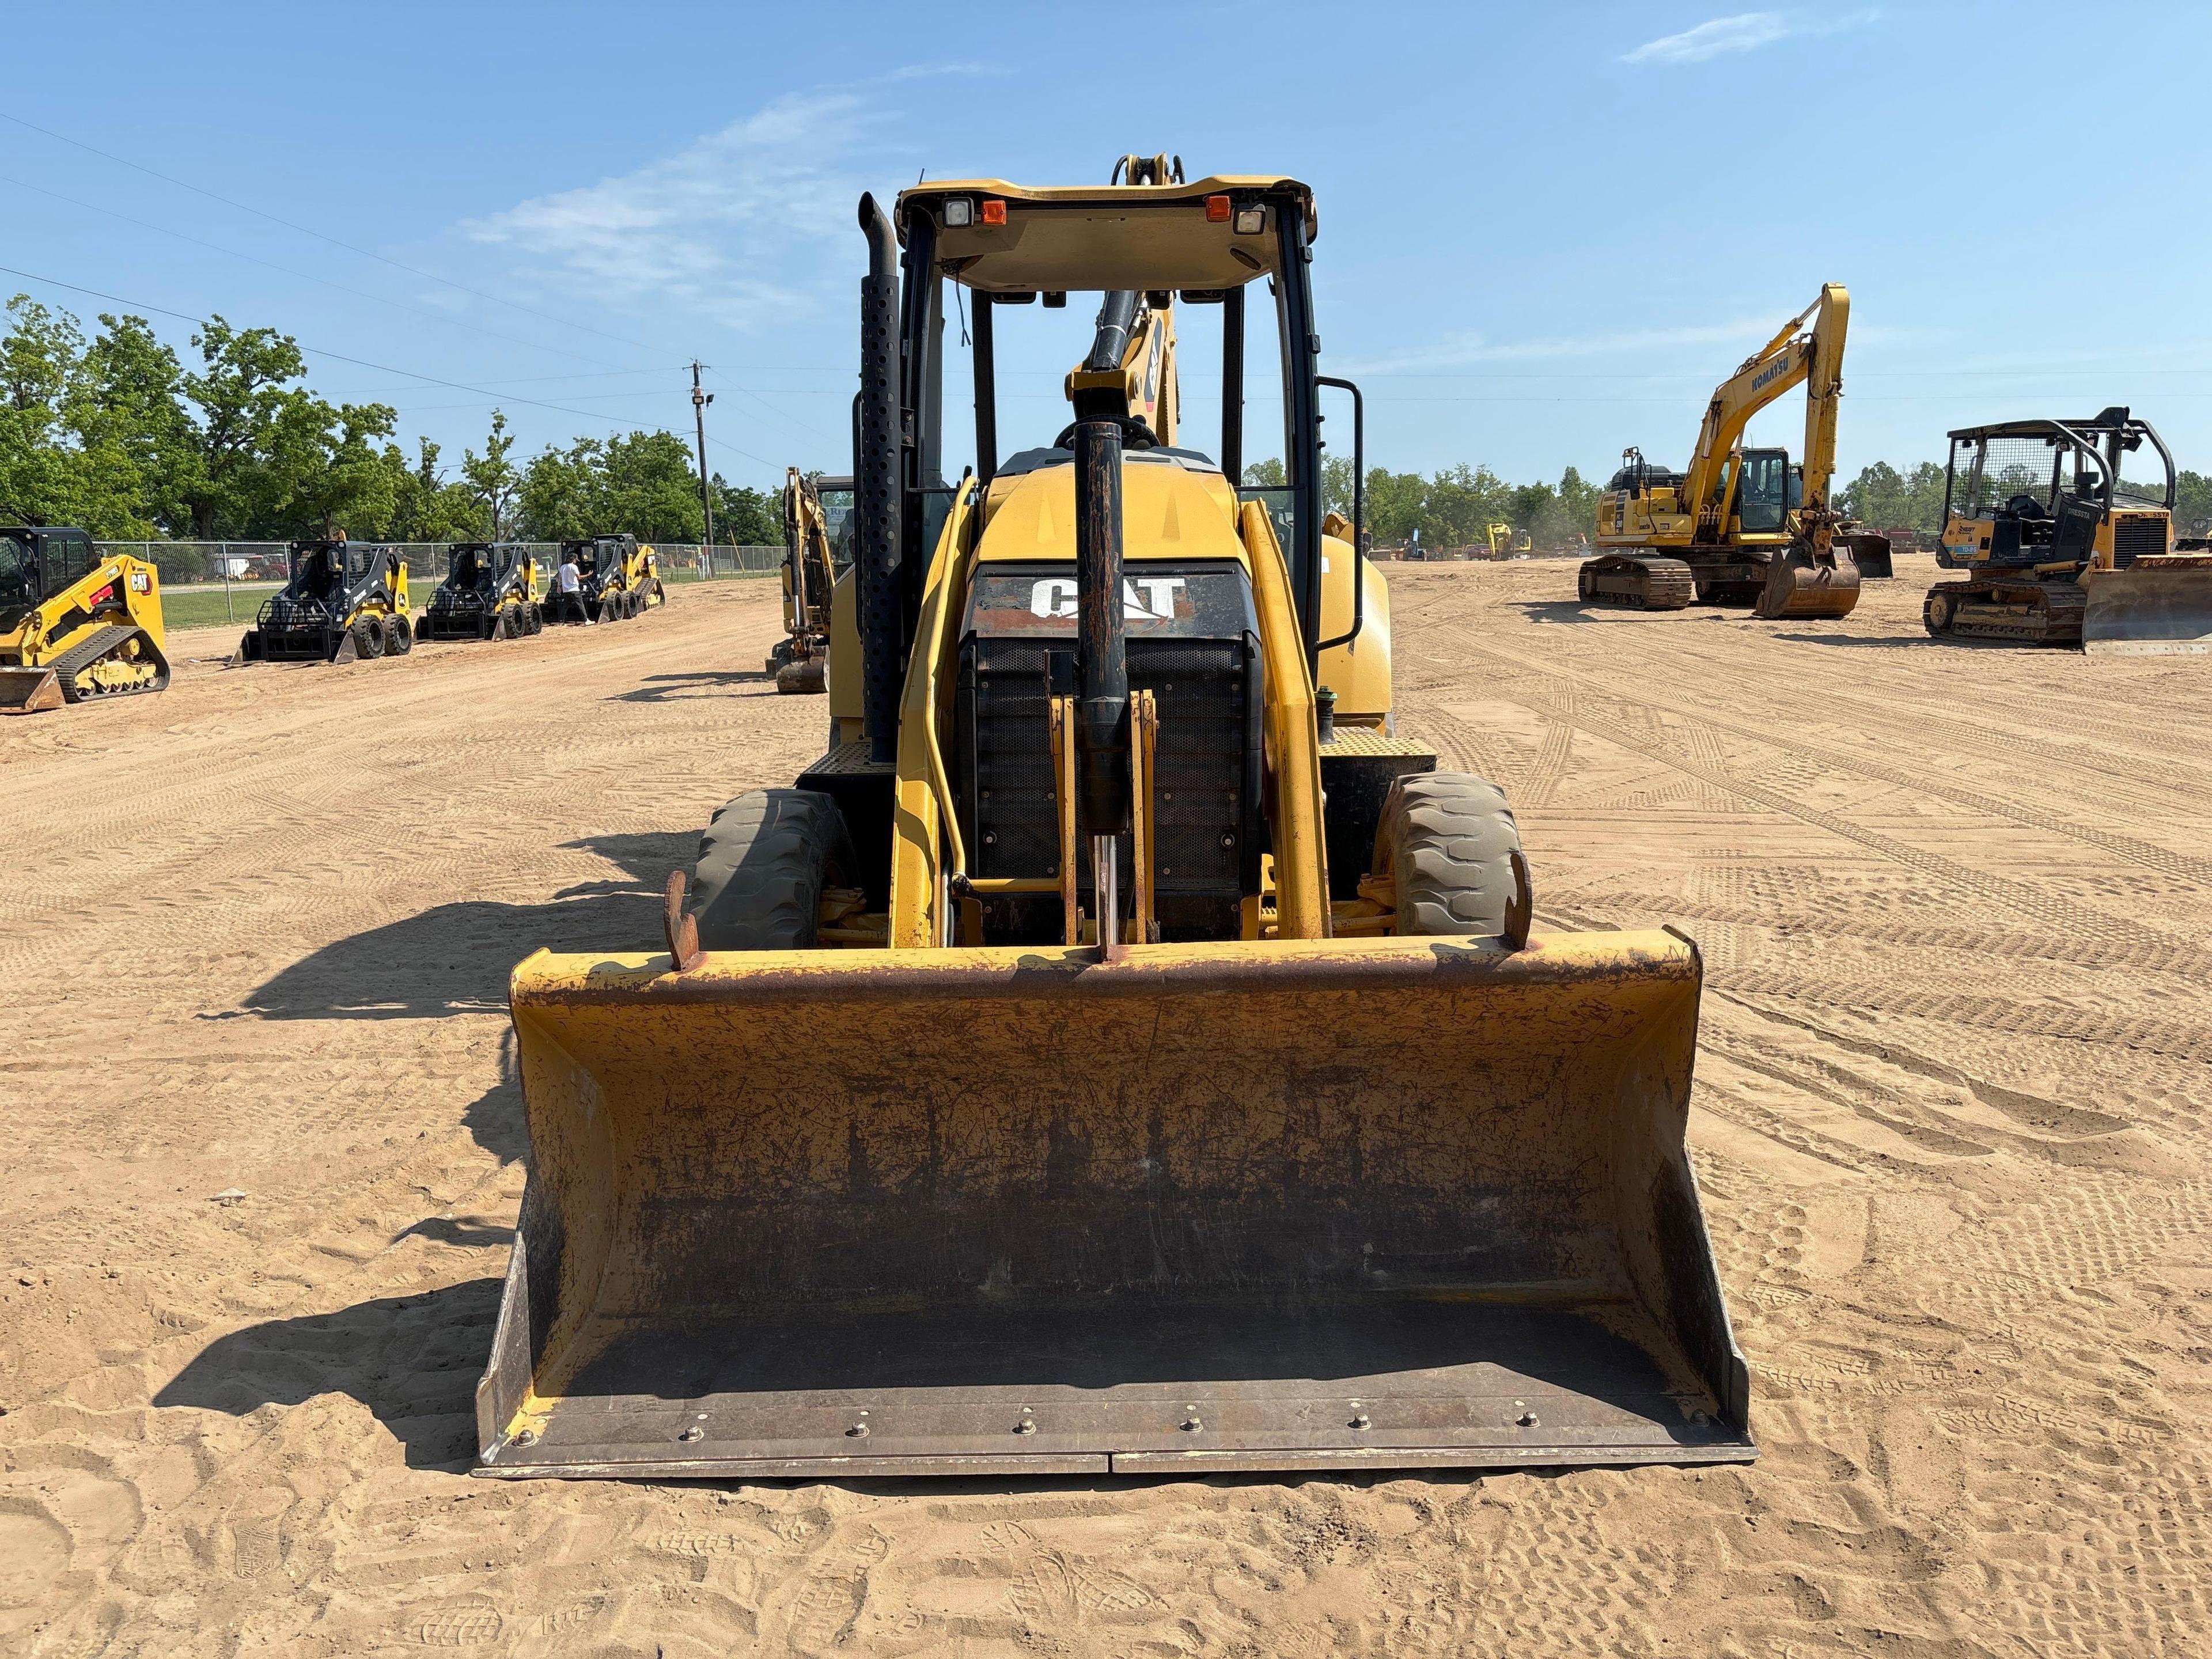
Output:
x=763 y=862
x=1447 y=843
x=368 y=637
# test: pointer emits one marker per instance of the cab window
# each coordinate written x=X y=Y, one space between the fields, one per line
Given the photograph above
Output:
x=1764 y=497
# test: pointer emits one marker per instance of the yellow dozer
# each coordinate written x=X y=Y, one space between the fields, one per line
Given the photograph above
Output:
x=2060 y=548
x=1120 y=1051
x=75 y=624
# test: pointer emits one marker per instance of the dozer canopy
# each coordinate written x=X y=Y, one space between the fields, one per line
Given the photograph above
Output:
x=1239 y=1206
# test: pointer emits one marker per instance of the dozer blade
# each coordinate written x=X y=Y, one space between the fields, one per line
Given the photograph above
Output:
x=29 y=691
x=1800 y=585
x=1377 y=1203
x=2159 y=606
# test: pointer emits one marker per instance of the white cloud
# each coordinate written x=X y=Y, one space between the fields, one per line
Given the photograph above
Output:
x=1746 y=31
x=727 y=227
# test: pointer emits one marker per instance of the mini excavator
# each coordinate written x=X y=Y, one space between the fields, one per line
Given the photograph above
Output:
x=1742 y=526
x=814 y=510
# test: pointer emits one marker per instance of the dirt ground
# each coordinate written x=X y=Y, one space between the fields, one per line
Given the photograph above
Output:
x=1950 y=1119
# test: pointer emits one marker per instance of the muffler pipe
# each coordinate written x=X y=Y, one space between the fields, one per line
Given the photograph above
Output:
x=1103 y=783
x=876 y=467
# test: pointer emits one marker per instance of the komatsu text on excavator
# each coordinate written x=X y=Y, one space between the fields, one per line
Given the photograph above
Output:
x=1118 y=1051
x=1742 y=526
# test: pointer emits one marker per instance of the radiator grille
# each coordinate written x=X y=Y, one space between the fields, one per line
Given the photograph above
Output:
x=2135 y=535
x=1204 y=769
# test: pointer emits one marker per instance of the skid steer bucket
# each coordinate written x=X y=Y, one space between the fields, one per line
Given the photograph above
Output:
x=1378 y=1203
x=29 y=691
x=1800 y=583
x=2159 y=606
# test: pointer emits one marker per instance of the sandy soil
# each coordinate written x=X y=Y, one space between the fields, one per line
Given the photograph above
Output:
x=1950 y=1119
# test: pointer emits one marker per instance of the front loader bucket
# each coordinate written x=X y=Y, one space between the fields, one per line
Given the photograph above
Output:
x=1799 y=584
x=1376 y=1203
x=29 y=691
x=2159 y=606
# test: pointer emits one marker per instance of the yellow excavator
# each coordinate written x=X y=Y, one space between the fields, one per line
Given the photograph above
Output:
x=1119 y=1052
x=75 y=624
x=814 y=510
x=2061 y=548
x=1742 y=526
x=1507 y=543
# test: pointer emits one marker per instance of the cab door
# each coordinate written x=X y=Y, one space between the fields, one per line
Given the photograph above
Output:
x=1763 y=501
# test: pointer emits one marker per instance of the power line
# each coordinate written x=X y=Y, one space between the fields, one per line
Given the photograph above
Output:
x=304 y=275
x=412 y=270
x=320 y=351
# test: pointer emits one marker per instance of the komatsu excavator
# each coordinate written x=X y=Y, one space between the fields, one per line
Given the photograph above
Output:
x=800 y=660
x=75 y=624
x=1118 y=1051
x=2062 y=548
x=1741 y=526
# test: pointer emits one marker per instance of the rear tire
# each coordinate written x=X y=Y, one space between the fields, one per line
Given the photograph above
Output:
x=763 y=864
x=1447 y=842
x=402 y=636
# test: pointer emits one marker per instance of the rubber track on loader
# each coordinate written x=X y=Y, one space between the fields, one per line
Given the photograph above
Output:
x=83 y=655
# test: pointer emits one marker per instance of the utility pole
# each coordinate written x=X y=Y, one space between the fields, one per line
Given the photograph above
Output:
x=699 y=402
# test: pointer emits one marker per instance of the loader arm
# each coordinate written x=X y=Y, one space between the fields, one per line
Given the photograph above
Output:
x=1796 y=356
x=1130 y=370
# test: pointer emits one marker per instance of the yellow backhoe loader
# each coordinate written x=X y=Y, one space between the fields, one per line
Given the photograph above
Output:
x=344 y=601
x=1119 y=1052
x=2062 y=548
x=814 y=511
x=1742 y=526
x=75 y=624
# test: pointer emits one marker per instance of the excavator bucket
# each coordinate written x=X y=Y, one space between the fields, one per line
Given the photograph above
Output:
x=1801 y=583
x=1374 y=1203
x=2159 y=606
x=29 y=691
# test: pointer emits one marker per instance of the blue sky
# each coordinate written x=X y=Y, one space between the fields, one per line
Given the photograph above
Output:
x=1547 y=231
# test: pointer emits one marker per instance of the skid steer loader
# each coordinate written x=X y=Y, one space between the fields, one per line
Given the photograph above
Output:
x=1742 y=526
x=619 y=580
x=345 y=601
x=74 y=624
x=489 y=593
x=1100 y=1060
x=815 y=509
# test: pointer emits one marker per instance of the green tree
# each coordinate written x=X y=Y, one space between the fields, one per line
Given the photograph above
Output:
x=241 y=394
x=651 y=490
x=747 y=517
x=493 y=480
x=324 y=470
x=1394 y=505
x=129 y=399
x=2193 y=504
x=561 y=492
x=1883 y=498
x=51 y=469
x=427 y=508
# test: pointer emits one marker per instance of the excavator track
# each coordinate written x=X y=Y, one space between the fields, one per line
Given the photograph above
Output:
x=1642 y=584
x=107 y=643
x=2030 y=611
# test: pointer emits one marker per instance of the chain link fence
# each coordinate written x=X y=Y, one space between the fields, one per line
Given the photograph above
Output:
x=219 y=564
